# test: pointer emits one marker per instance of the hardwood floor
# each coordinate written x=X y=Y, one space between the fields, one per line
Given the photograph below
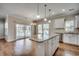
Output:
x=67 y=50
x=18 y=48
x=28 y=48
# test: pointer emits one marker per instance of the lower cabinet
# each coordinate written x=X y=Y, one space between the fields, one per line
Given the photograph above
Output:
x=71 y=38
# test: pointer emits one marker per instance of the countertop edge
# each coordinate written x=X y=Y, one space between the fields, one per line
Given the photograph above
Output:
x=44 y=40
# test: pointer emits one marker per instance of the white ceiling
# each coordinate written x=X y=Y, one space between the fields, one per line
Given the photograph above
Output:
x=29 y=10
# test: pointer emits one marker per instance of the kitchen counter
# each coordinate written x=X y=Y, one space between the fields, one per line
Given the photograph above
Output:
x=72 y=35
x=41 y=40
x=67 y=32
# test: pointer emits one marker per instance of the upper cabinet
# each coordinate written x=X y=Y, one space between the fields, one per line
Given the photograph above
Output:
x=59 y=23
x=70 y=21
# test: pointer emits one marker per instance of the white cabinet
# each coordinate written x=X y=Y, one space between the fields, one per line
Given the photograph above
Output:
x=59 y=23
x=66 y=38
x=71 y=38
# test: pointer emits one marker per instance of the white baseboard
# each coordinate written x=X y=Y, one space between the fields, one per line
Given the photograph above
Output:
x=9 y=40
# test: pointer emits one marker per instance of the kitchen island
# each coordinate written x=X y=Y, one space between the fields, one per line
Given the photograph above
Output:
x=46 y=47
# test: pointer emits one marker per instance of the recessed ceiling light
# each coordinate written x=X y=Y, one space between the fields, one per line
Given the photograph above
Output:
x=63 y=10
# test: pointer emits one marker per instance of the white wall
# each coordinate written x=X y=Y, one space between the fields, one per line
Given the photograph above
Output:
x=51 y=28
x=12 y=21
x=2 y=28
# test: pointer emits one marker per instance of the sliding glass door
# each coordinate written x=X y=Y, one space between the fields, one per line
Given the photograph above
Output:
x=19 y=31
x=28 y=31
x=40 y=31
x=43 y=31
x=23 y=31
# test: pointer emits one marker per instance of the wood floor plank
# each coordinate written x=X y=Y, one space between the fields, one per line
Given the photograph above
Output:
x=67 y=50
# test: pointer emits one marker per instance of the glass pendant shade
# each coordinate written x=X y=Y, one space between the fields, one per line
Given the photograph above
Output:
x=49 y=21
x=38 y=16
x=45 y=19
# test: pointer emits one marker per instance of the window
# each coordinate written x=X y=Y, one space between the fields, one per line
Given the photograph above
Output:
x=23 y=31
x=19 y=31
x=28 y=31
x=43 y=31
x=69 y=25
x=40 y=28
x=40 y=31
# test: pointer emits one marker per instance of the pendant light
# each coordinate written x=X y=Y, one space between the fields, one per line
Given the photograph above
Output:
x=49 y=21
x=38 y=16
x=45 y=19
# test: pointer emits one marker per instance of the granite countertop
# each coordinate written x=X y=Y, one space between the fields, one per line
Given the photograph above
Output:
x=67 y=32
x=40 y=40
